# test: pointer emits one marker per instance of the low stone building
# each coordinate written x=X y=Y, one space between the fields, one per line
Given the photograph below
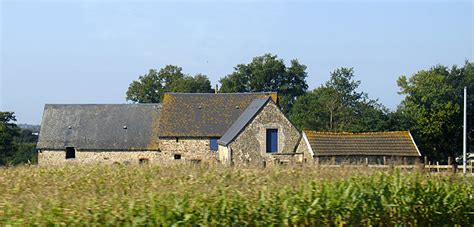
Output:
x=359 y=148
x=239 y=128
x=99 y=133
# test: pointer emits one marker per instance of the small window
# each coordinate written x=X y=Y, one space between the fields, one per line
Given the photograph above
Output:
x=70 y=152
x=213 y=144
x=177 y=157
x=272 y=140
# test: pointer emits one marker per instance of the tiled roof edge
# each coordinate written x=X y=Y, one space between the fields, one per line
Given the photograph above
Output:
x=414 y=144
x=308 y=144
x=356 y=133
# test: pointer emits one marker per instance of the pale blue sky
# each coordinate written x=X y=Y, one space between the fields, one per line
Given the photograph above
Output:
x=89 y=52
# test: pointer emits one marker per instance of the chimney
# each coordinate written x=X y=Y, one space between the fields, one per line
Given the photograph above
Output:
x=217 y=88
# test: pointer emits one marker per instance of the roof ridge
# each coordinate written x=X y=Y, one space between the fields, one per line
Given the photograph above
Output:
x=103 y=104
x=230 y=93
x=355 y=133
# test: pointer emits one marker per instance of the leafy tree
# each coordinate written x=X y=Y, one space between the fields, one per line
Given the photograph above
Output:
x=150 y=87
x=268 y=73
x=337 y=106
x=434 y=103
x=8 y=130
x=26 y=147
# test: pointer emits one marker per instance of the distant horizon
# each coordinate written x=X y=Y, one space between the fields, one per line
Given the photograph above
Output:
x=84 y=52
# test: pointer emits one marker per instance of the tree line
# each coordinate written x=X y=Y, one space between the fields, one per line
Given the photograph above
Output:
x=17 y=145
x=431 y=108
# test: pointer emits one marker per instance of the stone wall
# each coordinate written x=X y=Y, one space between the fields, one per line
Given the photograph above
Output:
x=250 y=145
x=189 y=148
x=303 y=147
x=123 y=157
x=367 y=159
x=224 y=154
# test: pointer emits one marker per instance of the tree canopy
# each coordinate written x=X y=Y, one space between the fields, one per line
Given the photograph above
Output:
x=150 y=87
x=434 y=103
x=8 y=131
x=338 y=106
x=268 y=73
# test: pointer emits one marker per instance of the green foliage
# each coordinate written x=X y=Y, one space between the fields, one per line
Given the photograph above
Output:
x=8 y=131
x=268 y=73
x=16 y=145
x=194 y=195
x=337 y=106
x=434 y=103
x=150 y=87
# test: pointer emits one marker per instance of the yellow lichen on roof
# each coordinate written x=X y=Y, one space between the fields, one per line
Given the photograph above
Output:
x=315 y=133
x=274 y=96
x=203 y=114
x=167 y=98
x=154 y=137
x=393 y=143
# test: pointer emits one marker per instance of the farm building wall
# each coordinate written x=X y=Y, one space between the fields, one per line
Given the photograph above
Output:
x=58 y=157
x=224 y=154
x=186 y=149
x=368 y=159
x=249 y=147
x=197 y=149
x=304 y=149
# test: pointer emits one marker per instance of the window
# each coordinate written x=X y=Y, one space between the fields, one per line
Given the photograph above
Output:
x=143 y=160
x=213 y=144
x=70 y=152
x=272 y=140
x=177 y=157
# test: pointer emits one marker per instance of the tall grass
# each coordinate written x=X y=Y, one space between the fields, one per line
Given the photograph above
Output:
x=176 y=195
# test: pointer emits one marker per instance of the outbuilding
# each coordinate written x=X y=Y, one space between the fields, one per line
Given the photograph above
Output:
x=397 y=147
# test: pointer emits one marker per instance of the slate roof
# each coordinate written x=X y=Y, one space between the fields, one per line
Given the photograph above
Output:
x=203 y=114
x=249 y=113
x=100 y=127
x=374 y=143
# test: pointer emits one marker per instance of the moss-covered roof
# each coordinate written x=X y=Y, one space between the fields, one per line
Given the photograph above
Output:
x=399 y=143
x=203 y=114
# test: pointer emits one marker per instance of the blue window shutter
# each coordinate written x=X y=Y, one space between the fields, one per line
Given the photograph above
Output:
x=272 y=140
x=213 y=144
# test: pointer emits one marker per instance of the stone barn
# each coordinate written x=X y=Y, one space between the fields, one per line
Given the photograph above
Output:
x=219 y=127
x=99 y=133
x=239 y=128
x=359 y=148
x=260 y=135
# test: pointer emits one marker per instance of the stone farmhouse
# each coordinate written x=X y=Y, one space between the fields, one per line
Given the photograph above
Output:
x=360 y=148
x=231 y=128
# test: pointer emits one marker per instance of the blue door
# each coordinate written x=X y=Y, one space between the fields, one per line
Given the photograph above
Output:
x=272 y=140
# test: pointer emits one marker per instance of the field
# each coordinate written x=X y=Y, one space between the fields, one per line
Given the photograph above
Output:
x=187 y=194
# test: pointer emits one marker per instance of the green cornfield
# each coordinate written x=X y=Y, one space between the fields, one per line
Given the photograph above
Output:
x=215 y=195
